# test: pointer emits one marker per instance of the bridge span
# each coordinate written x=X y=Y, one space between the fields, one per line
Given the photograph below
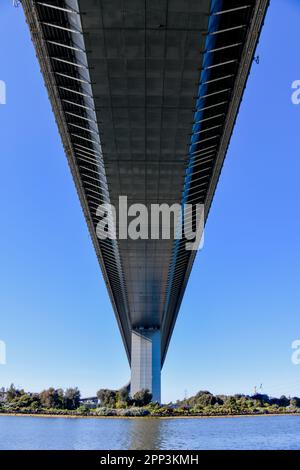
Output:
x=145 y=95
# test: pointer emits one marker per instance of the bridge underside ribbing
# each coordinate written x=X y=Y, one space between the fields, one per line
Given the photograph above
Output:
x=144 y=60
x=145 y=95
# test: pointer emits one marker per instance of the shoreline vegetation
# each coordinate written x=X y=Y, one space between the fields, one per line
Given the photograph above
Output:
x=119 y=404
x=177 y=416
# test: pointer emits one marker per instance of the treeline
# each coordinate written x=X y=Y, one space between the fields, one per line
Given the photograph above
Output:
x=120 y=403
x=67 y=401
x=205 y=402
x=51 y=398
x=121 y=399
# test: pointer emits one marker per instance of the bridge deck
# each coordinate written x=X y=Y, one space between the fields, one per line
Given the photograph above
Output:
x=145 y=95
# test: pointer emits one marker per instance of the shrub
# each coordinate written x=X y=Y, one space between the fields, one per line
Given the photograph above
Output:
x=83 y=410
x=105 y=411
x=135 y=411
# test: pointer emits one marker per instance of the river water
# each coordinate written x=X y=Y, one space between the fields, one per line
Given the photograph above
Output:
x=261 y=432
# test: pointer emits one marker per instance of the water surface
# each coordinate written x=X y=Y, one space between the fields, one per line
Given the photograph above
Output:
x=269 y=432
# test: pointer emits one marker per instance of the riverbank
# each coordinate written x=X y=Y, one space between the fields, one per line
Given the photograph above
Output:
x=177 y=416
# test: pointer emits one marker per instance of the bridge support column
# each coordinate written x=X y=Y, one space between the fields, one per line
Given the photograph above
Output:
x=145 y=362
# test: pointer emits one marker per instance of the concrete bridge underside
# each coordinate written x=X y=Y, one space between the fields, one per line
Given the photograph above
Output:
x=145 y=95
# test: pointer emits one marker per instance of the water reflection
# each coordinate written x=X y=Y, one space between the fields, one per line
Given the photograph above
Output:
x=269 y=432
x=146 y=434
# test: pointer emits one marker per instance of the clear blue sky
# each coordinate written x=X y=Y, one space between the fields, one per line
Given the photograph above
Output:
x=241 y=310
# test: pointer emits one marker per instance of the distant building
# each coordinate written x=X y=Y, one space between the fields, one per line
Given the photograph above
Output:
x=3 y=395
x=89 y=401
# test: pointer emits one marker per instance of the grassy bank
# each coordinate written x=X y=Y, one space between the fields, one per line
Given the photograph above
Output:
x=135 y=414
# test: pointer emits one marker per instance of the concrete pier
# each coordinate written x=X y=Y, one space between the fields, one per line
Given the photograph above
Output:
x=146 y=362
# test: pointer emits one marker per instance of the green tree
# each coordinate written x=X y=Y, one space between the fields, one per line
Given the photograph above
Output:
x=107 y=397
x=261 y=398
x=205 y=398
x=295 y=401
x=232 y=405
x=283 y=401
x=72 y=398
x=142 y=397
x=51 y=398
x=12 y=392
x=123 y=397
x=27 y=400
